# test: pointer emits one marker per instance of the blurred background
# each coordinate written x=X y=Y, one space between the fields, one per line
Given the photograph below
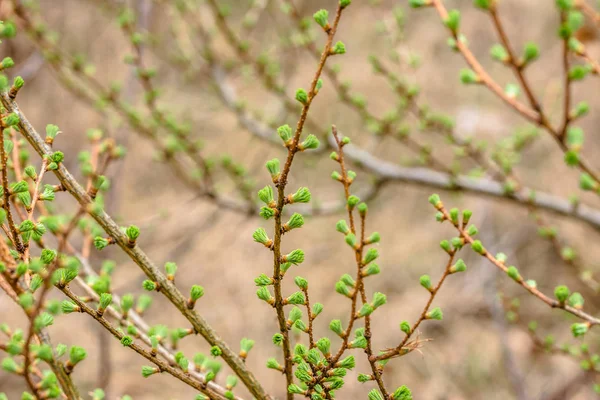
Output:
x=482 y=349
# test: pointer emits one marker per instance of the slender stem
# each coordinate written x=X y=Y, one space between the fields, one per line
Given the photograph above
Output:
x=16 y=239
x=400 y=349
x=591 y=320
x=359 y=285
x=281 y=200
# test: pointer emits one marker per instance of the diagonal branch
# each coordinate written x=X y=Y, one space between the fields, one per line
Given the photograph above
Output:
x=138 y=256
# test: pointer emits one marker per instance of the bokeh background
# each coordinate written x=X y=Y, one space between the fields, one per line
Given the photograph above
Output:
x=476 y=352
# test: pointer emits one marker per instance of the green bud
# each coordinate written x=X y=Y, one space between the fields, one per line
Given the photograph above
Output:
x=419 y=3
x=311 y=142
x=454 y=216
x=18 y=82
x=347 y=363
x=263 y=280
x=436 y=314
x=132 y=232
x=586 y=182
x=149 y=285
x=351 y=240
x=18 y=187
x=579 y=329
x=379 y=299
x=171 y=270
x=266 y=213
x=100 y=242
x=405 y=327
x=295 y=314
x=47 y=256
x=513 y=273
x=402 y=393
x=264 y=294
x=561 y=293
x=296 y=298
x=530 y=53
x=319 y=85
x=246 y=345
x=11 y=120
x=370 y=256
x=472 y=230
x=342 y=227
x=76 y=355
x=126 y=303
x=7 y=62
x=359 y=343
x=362 y=209
x=302 y=195
x=147 y=371
x=445 y=245
x=345 y=3
x=453 y=20
x=353 y=201
x=57 y=157
x=295 y=257
x=342 y=288
x=373 y=238
x=499 y=53
x=365 y=310
x=273 y=168
x=317 y=309
x=105 y=300
x=321 y=18
x=579 y=72
x=338 y=48
x=435 y=201
x=576 y=300
x=30 y=172
x=266 y=195
x=273 y=364
x=295 y=389
x=581 y=109
x=51 y=132
x=302 y=96
x=216 y=351
x=425 y=281
x=196 y=292
x=301 y=282
x=501 y=257
x=10 y=365
x=478 y=247
x=460 y=266
x=260 y=236
x=26 y=226
x=126 y=341
x=324 y=346
x=285 y=133
x=336 y=327
x=295 y=221
x=468 y=76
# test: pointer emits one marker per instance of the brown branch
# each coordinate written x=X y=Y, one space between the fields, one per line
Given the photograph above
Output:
x=591 y=320
x=522 y=109
x=163 y=366
x=359 y=287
